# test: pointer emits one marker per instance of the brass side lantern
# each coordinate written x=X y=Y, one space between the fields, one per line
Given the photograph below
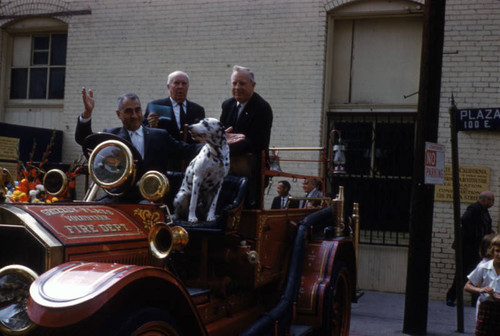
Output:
x=338 y=151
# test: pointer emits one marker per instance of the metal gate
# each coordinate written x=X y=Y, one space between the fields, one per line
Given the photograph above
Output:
x=378 y=173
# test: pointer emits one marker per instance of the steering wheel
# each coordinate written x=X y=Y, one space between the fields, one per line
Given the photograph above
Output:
x=95 y=139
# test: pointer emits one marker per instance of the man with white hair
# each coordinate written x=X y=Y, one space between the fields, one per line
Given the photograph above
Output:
x=250 y=118
x=173 y=112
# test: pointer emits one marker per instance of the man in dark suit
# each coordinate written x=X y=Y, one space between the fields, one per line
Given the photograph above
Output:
x=249 y=118
x=476 y=223
x=155 y=146
x=182 y=111
x=280 y=201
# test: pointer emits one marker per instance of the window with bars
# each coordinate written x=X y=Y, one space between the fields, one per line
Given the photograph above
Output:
x=38 y=66
x=378 y=172
x=380 y=147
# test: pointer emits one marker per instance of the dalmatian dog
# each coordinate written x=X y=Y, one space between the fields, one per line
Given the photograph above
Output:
x=204 y=175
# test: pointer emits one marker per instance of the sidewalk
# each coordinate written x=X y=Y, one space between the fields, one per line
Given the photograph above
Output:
x=382 y=314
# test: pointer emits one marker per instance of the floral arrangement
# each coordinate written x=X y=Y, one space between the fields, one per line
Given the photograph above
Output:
x=28 y=187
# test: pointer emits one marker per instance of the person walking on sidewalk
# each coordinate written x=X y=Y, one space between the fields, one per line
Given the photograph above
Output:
x=476 y=223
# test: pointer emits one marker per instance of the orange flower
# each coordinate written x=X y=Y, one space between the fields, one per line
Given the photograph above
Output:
x=32 y=185
x=23 y=186
x=24 y=198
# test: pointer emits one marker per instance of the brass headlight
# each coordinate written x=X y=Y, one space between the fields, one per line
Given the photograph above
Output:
x=55 y=182
x=15 y=281
x=111 y=164
x=153 y=185
x=5 y=180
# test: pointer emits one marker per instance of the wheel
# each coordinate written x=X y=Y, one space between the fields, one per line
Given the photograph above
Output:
x=149 y=321
x=133 y=321
x=337 y=316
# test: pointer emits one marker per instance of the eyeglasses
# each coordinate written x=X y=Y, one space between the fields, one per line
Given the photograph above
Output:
x=179 y=83
x=130 y=110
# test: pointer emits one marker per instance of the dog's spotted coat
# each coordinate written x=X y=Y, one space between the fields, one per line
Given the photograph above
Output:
x=204 y=175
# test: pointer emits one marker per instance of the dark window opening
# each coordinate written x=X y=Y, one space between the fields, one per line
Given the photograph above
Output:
x=58 y=49
x=379 y=166
x=18 y=83
x=56 y=87
x=38 y=83
x=44 y=76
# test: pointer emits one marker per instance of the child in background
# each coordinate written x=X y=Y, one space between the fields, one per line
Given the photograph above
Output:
x=484 y=248
x=484 y=253
x=485 y=281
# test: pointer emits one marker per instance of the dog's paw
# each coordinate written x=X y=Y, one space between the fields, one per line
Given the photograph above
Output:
x=193 y=219
x=210 y=218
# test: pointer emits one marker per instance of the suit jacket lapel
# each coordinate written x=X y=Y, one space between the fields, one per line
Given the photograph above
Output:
x=124 y=134
x=188 y=113
x=233 y=116
x=174 y=119
x=246 y=115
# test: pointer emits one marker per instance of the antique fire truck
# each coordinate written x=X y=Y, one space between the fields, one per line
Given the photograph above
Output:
x=116 y=268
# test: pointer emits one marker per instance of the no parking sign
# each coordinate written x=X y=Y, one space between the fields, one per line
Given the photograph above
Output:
x=434 y=163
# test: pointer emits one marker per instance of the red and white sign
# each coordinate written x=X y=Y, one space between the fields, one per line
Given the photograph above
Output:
x=434 y=163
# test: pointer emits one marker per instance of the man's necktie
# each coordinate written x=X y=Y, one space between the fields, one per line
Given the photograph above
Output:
x=304 y=202
x=283 y=203
x=182 y=116
x=236 y=114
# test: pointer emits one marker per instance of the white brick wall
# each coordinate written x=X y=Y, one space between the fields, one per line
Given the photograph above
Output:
x=472 y=29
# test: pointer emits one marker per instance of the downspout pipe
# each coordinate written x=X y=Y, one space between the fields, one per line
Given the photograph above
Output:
x=281 y=315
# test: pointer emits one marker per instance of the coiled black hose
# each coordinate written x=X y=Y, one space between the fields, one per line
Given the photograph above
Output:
x=282 y=312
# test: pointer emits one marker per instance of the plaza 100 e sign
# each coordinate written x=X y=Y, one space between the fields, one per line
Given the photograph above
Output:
x=483 y=119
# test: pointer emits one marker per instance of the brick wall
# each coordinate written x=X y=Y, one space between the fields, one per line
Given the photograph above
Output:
x=471 y=72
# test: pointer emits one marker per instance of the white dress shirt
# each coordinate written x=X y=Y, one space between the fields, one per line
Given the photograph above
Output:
x=137 y=138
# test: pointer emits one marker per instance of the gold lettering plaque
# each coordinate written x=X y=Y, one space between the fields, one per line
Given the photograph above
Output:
x=9 y=148
x=473 y=180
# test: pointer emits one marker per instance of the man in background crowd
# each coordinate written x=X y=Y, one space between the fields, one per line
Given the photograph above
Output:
x=476 y=223
x=309 y=186
x=280 y=201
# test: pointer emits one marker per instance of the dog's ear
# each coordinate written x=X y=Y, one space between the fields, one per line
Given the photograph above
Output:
x=206 y=123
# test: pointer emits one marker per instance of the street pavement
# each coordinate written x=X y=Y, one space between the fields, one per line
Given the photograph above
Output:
x=382 y=314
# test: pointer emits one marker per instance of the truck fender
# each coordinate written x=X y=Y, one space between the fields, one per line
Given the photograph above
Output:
x=74 y=291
